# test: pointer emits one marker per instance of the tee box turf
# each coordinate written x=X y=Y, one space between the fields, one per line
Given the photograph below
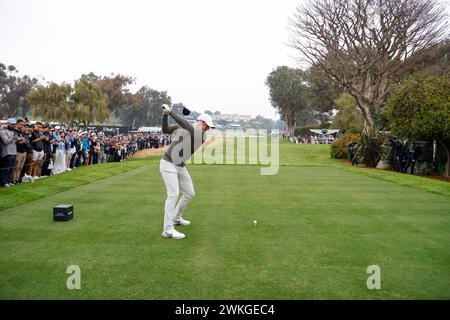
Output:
x=62 y=212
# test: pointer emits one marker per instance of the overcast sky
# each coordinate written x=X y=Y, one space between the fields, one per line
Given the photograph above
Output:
x=208 y=54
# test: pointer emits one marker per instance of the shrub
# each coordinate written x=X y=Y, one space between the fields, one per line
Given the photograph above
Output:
x=372 y=147
x=353 y=130
x=339 y=146
x=440 y=160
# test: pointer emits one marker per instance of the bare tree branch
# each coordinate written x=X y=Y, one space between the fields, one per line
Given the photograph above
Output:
x=363 y=44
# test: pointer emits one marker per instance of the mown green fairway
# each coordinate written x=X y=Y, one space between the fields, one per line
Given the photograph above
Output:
x=320 y=225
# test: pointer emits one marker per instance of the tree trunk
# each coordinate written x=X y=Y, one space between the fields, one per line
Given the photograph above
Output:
x=363 y=105
x=446 y=143
x=368 y=119
x=289 y=119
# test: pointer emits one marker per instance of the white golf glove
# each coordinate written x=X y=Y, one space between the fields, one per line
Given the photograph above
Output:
x=166 y=108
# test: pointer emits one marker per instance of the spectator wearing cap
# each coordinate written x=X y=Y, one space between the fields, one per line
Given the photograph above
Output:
x=91 y=147
x=70 y=150
x=38 y=149
x=21 y=154
x=28 y=166
x=85 y=147
x=411 y=157
x=8 y=140
x=64 y=148
x=397 y=147
x=94 y=148
x=57 y=150
x=78 y=156
x=102 y=151
x=45 y=171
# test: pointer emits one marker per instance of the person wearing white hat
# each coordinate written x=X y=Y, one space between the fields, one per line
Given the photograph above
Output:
x=187 y=138
x=59 y=155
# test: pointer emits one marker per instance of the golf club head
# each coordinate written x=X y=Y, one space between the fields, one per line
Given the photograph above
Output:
x=166 y=107
x=186 y=111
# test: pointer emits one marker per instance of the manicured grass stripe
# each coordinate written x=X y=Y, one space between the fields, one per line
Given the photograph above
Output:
x=26 y=192
x=318 y=230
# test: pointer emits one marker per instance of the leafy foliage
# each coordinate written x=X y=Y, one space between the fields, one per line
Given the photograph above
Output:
x=116 y=88
x=440 y=163
x=288 y=93
x=372 y=148
x=339 y=147
x=52 y=102
x=322 y=91
x=433 y=60
x=92 y=99
x=347 y=118
x=419 y=108
x=84 y=103
x=304 y=130
x=143 y=107
x=13 y=92
x=89 y=103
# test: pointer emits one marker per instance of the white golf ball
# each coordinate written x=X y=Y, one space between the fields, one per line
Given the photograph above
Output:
x=255 y=222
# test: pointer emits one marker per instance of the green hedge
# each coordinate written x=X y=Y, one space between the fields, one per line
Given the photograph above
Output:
x=339 y=146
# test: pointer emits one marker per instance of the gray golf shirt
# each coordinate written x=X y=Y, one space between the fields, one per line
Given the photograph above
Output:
x=186 y=139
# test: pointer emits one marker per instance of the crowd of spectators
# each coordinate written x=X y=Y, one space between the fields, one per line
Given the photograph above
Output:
x=32 y=151
x=310 y=139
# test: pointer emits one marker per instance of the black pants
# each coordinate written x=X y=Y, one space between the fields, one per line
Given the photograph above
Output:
x=398 y=164
x=94 y=158
x=410 y=162
x=6 y=166
x=77 y=161
x=352 y=158
x=45 y=171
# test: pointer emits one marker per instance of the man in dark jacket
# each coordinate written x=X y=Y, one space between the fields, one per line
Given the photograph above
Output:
x=38 y=149
x=411 y=157
x=397 y=148
x=21 y=154
x=45 y=171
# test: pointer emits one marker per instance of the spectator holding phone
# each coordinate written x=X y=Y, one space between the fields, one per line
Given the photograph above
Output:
x=38 y=149
x=8 y=139
x=21 y=154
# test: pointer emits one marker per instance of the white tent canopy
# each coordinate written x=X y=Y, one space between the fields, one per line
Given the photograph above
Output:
x=149 y=129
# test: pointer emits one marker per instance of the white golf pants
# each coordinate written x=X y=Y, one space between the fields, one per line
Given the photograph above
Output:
x=59 y=164
x=176 y=179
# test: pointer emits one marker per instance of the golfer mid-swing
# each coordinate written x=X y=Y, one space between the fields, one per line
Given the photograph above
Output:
x=187 y=138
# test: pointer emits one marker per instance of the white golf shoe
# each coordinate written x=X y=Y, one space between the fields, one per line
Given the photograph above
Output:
x=181 y=221
x=174 y=234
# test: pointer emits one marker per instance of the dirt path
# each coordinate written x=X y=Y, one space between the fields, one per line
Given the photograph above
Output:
x=150 y=153
x=160 y=151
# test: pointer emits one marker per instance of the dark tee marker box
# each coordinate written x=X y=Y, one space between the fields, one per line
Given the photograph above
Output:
x=62 y=212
